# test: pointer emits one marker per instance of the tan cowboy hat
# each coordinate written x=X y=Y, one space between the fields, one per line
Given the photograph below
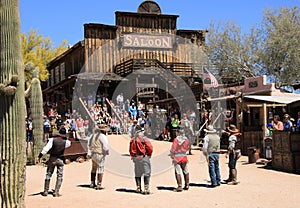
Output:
x=210 y=129
x=232 y=128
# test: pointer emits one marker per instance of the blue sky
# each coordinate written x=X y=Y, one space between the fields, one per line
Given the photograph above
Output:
x=64 y=19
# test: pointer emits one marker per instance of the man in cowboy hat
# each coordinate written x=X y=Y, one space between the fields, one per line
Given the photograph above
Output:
x=98 y=149
x=234 y=153
x=140 y=149
x=180 y=147
x=211 y=150
x=56 y=147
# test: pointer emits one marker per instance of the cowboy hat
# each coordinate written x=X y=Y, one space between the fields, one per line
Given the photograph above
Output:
x=210 y=129
x=138 y=129
x=232 y=128
x=62 y=132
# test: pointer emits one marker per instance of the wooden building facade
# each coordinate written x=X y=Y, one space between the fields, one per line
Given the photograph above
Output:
x=143 y=40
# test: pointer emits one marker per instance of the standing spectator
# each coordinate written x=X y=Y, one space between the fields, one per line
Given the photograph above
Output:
x=234 y=153
x=298 y=121
x=132 y=111
x=178 y=151
x=120 y=100
x=47 y=128
x=211 y=150
x=98 y=149
x=187 y=126
x=133 y=128
x=79 y=124
x=139 y=109
x=86 y=126
x=73 y=128
x=287 y=123
x=277 y=124
x=29 y=135
x=140 y=149
x=59 y=122
x=142 y=120
x=56 y=147
x=174 y=126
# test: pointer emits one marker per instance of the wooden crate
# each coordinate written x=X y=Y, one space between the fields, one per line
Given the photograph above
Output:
x=297 y=162
x=251 y=139
x=281 y=142
x=295 y=142
x=283 y=162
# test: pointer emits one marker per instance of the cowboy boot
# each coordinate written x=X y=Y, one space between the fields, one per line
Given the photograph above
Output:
x=46 y=187
x=146 y=183
x=99 y=181
x=229 y=177
x=186 y=181
x=234 y=178
x=138 y=181
x=179 y=183
x=57 y=187
x=93 y=179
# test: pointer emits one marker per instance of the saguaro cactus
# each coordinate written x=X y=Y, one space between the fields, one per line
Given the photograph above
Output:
x=34 y=93
x=12 y=108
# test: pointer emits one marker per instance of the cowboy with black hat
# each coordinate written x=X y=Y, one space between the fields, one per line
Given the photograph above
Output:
x=56 y=147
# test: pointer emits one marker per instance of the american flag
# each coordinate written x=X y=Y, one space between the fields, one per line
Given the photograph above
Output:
x=209 y=78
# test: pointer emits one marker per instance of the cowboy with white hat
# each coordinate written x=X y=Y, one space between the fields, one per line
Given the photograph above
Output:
x=98 y=149
x=211 y=149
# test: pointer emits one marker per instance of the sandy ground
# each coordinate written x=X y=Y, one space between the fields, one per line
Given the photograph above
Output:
x=259 y=187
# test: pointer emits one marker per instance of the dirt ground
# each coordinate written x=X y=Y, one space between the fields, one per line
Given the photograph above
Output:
x=259 y=186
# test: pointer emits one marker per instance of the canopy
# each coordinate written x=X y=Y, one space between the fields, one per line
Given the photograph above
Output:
x=283 y=99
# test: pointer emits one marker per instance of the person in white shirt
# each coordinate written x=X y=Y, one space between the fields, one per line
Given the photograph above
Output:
x=98 y=149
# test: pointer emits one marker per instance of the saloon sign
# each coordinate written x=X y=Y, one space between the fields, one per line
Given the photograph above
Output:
x=147 y=41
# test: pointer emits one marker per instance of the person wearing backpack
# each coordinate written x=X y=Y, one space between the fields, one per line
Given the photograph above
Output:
x=140 y=149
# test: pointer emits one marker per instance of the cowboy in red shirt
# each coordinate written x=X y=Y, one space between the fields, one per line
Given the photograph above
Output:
x=178 y=153
x=140 y=150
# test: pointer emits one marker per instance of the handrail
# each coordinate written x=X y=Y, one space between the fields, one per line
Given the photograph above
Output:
x=130 y=65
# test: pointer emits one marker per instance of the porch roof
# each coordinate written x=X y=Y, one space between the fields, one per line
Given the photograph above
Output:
x=283 y=99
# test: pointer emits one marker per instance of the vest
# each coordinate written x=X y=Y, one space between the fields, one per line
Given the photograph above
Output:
x=58 y=148
x=213 y=143
x=96 y=145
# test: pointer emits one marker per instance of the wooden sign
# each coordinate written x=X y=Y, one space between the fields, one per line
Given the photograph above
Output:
x=147 y=41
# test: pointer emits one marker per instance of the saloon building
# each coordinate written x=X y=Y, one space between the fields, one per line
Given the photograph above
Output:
x=144 y=55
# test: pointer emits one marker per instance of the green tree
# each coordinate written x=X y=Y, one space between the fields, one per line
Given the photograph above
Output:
x=12 y=108
x=38 y=51
x=278 y=45
x=230 y=52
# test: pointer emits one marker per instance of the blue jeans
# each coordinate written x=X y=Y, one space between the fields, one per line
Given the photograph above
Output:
x=214 y=170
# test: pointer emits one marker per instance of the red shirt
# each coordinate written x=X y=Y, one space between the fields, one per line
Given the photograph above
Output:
x=140 y=147
x=178 y=151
